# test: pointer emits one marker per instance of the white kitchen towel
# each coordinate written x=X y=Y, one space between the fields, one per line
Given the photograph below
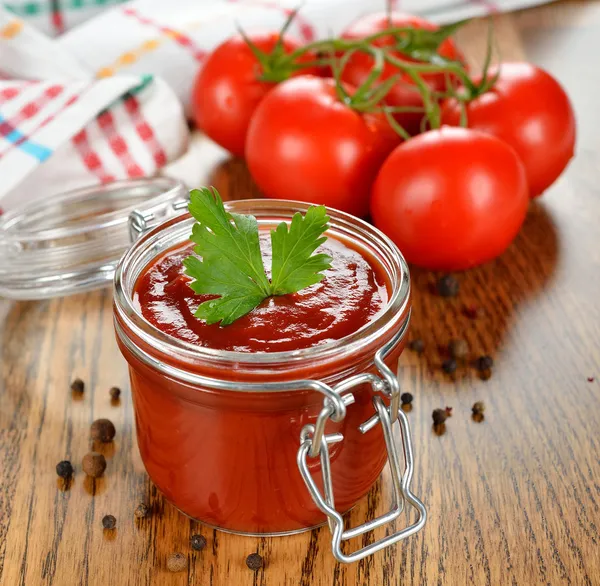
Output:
x=62 y=128
x=104 y=100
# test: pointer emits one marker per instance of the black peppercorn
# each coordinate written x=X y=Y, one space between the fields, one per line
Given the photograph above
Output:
x=458 y=349
x=109 y=522
x=94 y=464
x=141 y=511
x=198 y=542
x=115 y=393
x=439 y=416
x=447 y=286
x=177 y=562
x=484 y=363
x=78 y=386
x=103 y=430
x=254 y=561
x=416 y=345
x=474 y=312
x=406 y=398
x=449 y=366
x=478 y=408
x=64 y=469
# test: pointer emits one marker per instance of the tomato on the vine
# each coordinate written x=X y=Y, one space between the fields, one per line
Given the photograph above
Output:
x=528 y=109
x=228 y=87
x=305 y=144
x=404 y=93
x=451 y=198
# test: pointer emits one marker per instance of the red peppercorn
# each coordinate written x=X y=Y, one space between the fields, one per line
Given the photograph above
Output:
x=94 y=464
x=103 y=430
x=177 y=562
x=458 y=349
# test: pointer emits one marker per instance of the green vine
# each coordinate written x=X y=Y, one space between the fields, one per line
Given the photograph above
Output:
x=414 y=53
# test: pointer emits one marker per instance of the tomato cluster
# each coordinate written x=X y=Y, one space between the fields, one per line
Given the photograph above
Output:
x=443 y=163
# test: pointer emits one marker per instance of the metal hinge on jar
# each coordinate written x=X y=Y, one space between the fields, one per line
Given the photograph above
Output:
x=314 y=442
x=141 y=222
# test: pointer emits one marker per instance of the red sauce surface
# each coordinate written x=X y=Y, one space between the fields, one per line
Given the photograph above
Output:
x=350 y=296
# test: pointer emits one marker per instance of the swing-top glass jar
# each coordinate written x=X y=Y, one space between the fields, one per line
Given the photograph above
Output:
x=270 y=442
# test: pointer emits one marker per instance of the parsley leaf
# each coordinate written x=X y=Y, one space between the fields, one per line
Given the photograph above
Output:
x=293 y=266
x=231 y=264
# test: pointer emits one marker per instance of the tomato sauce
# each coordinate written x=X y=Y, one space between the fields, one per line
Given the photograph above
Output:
x=228 y=457
x=350 y=296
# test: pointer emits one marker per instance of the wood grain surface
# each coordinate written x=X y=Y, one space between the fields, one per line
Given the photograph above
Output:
x=513 y=499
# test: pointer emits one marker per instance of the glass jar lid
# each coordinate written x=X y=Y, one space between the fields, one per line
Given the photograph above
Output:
x=72 y=242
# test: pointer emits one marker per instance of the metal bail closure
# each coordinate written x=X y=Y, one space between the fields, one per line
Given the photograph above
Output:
x=313 y=442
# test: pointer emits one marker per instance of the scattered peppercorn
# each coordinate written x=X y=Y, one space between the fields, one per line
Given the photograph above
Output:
x=103 y=430
x=78 y=386
x=485 y=374
x=448 y=411
x=115 y=393
x=478 y=408
x=591 y=379
x=484 y=363
x=447 y=286
x=474 y=312
x=449 y=366
x=406 y=398
x=94 y=464
x=458 y=349
x=439 y=416
x=254 y=561
x=198 y=542
x=141 y=511
x=177 y=562
x=109 y=522
x=416 y=345
x=64 y=469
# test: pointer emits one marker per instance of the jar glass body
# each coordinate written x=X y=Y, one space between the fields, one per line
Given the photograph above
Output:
x=219 y=431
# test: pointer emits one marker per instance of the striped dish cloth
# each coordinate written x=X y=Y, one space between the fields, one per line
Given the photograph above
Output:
x=62 y=128
x=53 y=17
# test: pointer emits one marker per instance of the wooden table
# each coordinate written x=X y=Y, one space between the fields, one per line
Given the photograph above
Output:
x=512 y=500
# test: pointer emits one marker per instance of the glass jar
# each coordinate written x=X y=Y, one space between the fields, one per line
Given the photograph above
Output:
x=271 y=443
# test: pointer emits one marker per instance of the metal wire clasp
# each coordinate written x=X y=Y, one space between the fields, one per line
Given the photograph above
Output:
x=142 y=221
x=313 y=442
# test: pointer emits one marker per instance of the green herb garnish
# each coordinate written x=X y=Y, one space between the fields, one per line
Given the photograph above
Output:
x=231 y=264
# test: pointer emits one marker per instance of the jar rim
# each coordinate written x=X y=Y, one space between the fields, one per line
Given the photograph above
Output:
x=154 y=242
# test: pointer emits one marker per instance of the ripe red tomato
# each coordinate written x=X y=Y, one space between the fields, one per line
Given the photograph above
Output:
x=404 y=93
x=304 y=144
x=451 y=198
x=227 y=89
x=528 y=109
